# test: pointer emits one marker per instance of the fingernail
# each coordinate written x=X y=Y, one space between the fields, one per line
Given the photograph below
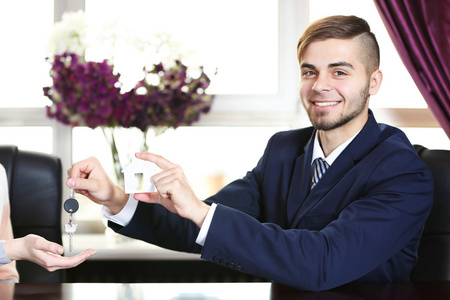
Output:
x=72 y=182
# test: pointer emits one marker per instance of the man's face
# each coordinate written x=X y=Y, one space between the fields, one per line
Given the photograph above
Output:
x=334 y=85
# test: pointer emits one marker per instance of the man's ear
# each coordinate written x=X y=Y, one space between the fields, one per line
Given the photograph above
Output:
x=375 y=82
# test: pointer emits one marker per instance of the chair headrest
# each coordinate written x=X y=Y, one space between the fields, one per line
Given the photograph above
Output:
x=438 y=161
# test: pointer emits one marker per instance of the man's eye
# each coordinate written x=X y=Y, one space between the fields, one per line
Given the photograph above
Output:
x=339 y=73
x=309 y=73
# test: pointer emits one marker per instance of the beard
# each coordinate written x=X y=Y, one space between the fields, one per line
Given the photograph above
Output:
x=358 y=105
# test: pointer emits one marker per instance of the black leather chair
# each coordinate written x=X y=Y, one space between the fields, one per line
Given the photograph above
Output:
x=35 y=192
x=434 y=249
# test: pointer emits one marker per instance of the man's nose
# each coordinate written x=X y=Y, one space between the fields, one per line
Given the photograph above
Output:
x=322 y=84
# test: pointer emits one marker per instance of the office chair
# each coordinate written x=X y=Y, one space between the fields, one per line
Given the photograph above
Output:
x=35 y=193
x=434 y=250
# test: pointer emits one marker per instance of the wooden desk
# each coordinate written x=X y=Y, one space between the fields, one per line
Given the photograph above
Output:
x=216 y=291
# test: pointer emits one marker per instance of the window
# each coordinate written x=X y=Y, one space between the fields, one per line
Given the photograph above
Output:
x=24 y=69
x=432 y=138
x=24 y=137
x=139 y=177
x=212 y=33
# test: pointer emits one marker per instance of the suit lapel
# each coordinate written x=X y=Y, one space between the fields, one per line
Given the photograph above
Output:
x=300 y=182
x=301 y=200
x=328 y=181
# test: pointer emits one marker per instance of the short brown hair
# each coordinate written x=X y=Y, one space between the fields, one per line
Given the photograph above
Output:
x=344 y=27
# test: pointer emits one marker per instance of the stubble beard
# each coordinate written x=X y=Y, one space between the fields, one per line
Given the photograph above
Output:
x=320 y=121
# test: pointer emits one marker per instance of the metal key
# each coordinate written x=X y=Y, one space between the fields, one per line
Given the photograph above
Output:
x=70 y=230
x=71 y=206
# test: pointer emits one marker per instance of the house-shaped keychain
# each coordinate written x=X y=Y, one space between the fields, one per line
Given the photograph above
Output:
x=137 y=176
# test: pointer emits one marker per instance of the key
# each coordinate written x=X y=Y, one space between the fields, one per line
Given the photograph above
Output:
x=71 y=206
x=70 y=230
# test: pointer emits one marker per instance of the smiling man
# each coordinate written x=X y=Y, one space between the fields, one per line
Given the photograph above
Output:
x=362 y=221
x=338 y=75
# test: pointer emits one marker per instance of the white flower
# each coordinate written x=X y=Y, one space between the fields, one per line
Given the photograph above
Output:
x=70 y=34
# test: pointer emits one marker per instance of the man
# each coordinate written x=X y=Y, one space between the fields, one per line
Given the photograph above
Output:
x=361 y=222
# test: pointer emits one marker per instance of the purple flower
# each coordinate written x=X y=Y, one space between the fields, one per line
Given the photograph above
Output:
x=88 y=93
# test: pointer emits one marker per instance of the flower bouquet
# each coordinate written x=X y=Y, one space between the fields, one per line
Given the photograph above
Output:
x=90 y=93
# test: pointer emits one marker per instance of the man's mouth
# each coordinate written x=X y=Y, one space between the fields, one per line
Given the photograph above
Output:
x=324 y=104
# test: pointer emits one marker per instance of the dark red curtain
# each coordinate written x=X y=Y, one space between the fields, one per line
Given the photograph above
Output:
x=420 y=31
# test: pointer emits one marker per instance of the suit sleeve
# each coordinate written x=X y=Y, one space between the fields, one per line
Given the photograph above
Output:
x=388 y=214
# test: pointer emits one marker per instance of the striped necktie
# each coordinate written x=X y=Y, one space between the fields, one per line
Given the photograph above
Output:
x=320 y=166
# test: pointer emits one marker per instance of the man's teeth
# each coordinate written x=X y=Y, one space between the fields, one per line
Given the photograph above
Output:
x=326 y=103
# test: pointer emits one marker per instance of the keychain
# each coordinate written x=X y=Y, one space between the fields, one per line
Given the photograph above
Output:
x=71 y=206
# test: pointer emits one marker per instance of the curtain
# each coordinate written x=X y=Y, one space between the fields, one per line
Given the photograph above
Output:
x=420 y=31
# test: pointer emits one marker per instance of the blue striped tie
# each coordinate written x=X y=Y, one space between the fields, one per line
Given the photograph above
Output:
x=320 y=166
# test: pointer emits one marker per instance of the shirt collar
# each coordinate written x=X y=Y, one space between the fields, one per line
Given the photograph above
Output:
x=318 y=152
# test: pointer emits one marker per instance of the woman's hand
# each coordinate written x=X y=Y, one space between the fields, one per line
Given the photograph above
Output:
x=44 y=253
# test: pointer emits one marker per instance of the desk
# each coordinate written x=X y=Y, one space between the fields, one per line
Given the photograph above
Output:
x=114 y=246
x=122 y=259
x=223 y=291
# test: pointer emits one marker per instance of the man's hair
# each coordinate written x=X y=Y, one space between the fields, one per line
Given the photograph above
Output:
x=344 y=27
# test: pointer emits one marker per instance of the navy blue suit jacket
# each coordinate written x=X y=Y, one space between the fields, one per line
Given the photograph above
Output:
x=362 y=221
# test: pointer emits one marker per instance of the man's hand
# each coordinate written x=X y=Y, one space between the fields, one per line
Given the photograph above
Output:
x=89 y=178
x=44 y=253
x=174 y=192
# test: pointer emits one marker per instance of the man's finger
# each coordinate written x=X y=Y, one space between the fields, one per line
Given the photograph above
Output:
x=77 y=169
x=157 y=159
x=81 y=184
x=147 y=197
